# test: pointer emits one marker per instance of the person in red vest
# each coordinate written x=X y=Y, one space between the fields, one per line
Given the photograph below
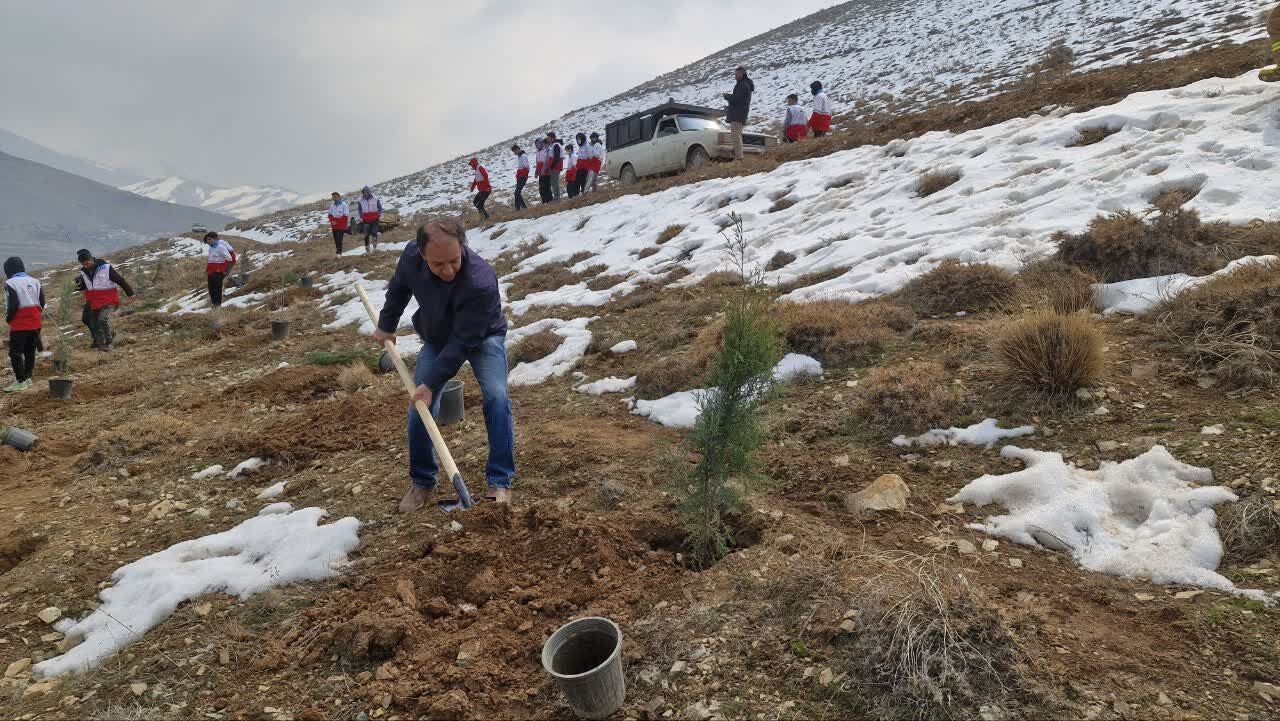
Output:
x=221 y=257
x=522 y=176
x=571 y=171
x=820 y=121
x=555 y=164
x=100 y=284
x=24 y=302
x=795 y=125
x=370 y=208
x=597 y=160
x=544 y=171
x=339 y=220
x=480 y=184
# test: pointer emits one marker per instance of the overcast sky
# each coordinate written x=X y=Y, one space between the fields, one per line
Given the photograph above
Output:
x=320 y=95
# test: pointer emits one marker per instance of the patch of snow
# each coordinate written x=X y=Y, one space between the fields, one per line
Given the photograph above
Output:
x=1139 y=296
x=258 y=554
x=246 y=468
x=276 y=508
x=985 y=433
x=612 y=384
x=625 y=346
x=1145 y=518
x=209 y=472
x=561 y=360
x=794 y=365
x=678 y=410
x=1214 y=430
x=272 y=491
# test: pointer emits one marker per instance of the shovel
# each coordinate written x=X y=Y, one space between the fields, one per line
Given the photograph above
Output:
x=463 y=501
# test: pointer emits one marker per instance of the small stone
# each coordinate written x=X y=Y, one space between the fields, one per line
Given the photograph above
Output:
x=202 y=609
x=1186 y=595
x=17 y=667
x=1163 y=699
x=1144 y=597
x=1144 y=370
x=1101 y=411
x=649 y=676
x=454 y=526
x=825 y=677
x=1267 y=689
x=234 y=504
x=990 y=545
x=451 y=706
x=1015 y=563
x=1084 y=394
x=841 y=460
x=42 y=687
x=886 y=493
x=137 y=689
x=383 y=672
x=467 y=653
x=224 y=657
x=697 y=711
x=50 y=614
x=678 y=667
x=357 y=489
x=1206 y=381
x=966 y=547
x=1108 y=446
x=408 y=596
x=848 y=625
x=1142 y=444
x=944 y=508
x=1214 y=430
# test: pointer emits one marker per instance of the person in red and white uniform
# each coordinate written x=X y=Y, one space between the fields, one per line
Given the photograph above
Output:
x=820 y=120
x=221 y=257
x=370 y=209
x=544 y=170
x=598 y=154
x=586 y=163
x=24 y=302
x=100 y=284
x=795 y=126
x=339 y=220
x=571 y=170
x=480 y=184
x=555 y=163
x=522 y=175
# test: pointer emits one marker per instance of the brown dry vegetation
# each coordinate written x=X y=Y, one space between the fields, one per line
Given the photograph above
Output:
x=545 y=277
x=1050 y=352
x=838 y=332
x=1122 y=246
x=534 y=347
x=909 y=397
x=668 y=233
x=1230 y=324
x=1092 y=136
x=953 y=287
x=1056 y=285
x=932 y=182
x=355 y=376
x=781 y=259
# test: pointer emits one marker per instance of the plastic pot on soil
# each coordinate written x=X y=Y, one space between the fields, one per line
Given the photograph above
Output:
x=306 y=281
x=385 y=364
x=451 y=406
x=279 y=329
x=60 y=388
x=585 y=659
x=18 y=438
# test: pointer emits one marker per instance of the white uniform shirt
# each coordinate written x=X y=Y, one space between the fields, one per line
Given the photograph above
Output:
x=821 y=103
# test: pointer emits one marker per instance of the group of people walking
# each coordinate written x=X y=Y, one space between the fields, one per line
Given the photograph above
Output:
x=797 y=124
x=580 y=160
x=368 y=209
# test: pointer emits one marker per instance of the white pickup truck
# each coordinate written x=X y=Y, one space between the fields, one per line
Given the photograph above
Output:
x=670 y=138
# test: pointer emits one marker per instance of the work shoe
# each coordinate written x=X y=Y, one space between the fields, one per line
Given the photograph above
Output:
x=415 y=498
x=498 y=495
x=12 y=387
x=1269 y=75
x=25 y=385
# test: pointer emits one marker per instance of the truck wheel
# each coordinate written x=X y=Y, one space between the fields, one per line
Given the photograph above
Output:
x=628 y=175
x=697 y=158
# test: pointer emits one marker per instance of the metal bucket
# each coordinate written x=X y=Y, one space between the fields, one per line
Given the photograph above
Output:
x=585 y=659
x=451 y=405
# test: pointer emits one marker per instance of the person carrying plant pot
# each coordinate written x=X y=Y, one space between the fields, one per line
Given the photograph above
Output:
x=24 y=304
x=221 y=257
x=459 y=318
x=370 y=208
x=339 y=220
x=100 y=284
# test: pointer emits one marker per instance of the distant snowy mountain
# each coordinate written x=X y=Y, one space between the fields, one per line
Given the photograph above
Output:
x=28 y=149
x=873 y=56
x=243 y=201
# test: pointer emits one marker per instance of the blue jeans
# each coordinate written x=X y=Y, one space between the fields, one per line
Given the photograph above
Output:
x=489 y=364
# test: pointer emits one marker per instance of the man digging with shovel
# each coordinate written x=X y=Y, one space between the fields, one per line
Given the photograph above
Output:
x=459 y=318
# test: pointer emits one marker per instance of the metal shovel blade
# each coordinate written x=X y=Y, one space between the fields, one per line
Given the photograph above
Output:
x=463 y=501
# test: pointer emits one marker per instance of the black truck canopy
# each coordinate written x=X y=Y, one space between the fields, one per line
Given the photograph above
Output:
x=639 y=126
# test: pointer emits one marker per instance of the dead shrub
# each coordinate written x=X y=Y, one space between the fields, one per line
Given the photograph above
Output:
x=952 y=287
x=1050 y=352
x=933 y=182
x=722 y=279
x=1230 y=324
x=1058 y=286
x=782 y=204
x=605 y=282
x=958 y=345
x=507 y=261
x=355 y=376
x=808 y=279
x=925 y=646
x=544 y=277
x=781 y=259
x=680 y=371
x=669 y=232
x=646 y=252
x=1250 y=529
x=534 y=347
x=579 y=257
x=1122 y=246
x=838 y=332
x=910 y=397
x=1091 y=136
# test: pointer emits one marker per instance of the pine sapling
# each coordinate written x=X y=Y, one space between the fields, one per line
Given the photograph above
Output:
x=62 y=341
x=728 y=431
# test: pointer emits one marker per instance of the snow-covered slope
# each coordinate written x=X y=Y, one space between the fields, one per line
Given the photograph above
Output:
x=874 y=55
x=243 y=201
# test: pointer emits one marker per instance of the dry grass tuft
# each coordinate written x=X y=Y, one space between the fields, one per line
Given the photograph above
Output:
x=933 y=182
x=507 y=261
x=1090 y=136
x=605 y=282
x=669 y=232
x=808 y=279
x=1050 y=352
x=781 y=259
x=722 y=279
x=545 y=277
x=1122 y=246
x=355 y=376
x=910 y=397
x=782 y=204
x=838 y=332
x=680 y=371
x=1058 y=286
x=579 y=257
x=952 y=287
x=1230 y=324
x=1250 y=529
x=534 y=347
x=646 y=252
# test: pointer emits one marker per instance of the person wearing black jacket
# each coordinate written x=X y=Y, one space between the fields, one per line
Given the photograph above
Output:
x=23 y=306
x=739 y=107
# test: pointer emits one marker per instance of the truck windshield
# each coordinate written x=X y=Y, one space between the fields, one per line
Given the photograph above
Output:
x=688 y=122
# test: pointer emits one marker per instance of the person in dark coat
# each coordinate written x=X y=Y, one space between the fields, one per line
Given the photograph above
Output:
x=739 y=107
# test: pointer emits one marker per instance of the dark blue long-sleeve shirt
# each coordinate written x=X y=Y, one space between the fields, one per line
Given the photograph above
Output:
x=453 y=317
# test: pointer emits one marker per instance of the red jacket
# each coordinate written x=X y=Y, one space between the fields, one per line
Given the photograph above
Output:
x=481 y=180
